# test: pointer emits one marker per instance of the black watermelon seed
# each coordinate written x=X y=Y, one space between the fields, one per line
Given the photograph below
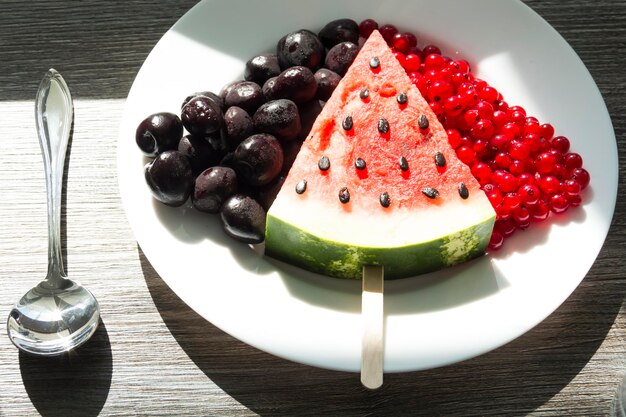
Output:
x=404 y=164
x=463 y=191
x=365 y=93
x=360 y=164
x=430 y=192
x=440 y=160
x=324 y=163
x=383 y=125
x=374 y=62
x=402 y=98
x=422 y=122
x=347 y=123
x=301 y=187
x=344 y=195
x=385 y=200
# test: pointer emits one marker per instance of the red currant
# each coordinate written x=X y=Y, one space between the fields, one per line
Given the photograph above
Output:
x=482 y=172
x=521 y=215
x=574 y=200
x=488 y=93
x=502 y=160
x=573 y=160
x=506 y=182
x=388 y=32
x=529 y=193
x=480 y=148
x=485 y=110
x=549 y=184
x=506 y=227
x=510 y=130
x=440 y=90
x=483 y=129
x=547 y=131
x=517 y=167
x=400 y=57
x=560 y=143
x=499 y=118
x=495 y=198
x=531 y=126
x=501 y=105
x=545 y=163
x=581 y=176
x=533 y=142
x=511 y=202
x=454 y=138
x=366 y=27
x=539 y=212
x=571 y=188
x=519 y=150
x=452 y=105
x=434 y=61
x=499 y=143
x=466 y=154
x=496 y=241
x=431 y=49
x=558 y=203
x=400 y=42
x=412 y=62
x=460 y=66
x=411 y=38
x=519 y=109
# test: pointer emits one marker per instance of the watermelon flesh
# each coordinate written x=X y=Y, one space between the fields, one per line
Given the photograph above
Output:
x=435 y=214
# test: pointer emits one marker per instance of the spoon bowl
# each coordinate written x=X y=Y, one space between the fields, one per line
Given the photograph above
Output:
x=58 y=314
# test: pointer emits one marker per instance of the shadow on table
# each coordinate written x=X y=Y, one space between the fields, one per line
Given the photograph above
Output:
x=512 y=380
x=73 y=384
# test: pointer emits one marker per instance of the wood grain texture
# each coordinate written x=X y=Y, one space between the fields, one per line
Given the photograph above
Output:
x=153 y=356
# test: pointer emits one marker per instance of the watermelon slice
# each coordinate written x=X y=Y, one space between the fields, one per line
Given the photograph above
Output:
x=376 y=183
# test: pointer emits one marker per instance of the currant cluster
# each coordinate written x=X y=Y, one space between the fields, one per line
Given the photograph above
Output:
x=525 y=170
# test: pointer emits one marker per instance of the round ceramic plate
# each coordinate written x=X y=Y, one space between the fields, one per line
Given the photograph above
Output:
x=431 y=320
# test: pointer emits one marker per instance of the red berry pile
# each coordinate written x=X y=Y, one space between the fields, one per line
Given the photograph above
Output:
x=526 y=171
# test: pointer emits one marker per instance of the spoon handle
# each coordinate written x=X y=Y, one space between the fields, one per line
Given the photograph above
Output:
x=54 y=114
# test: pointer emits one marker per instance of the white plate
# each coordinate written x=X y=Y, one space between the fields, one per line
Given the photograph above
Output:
x=431 y=320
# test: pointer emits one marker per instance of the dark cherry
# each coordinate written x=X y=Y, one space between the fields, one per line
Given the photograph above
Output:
x=226 y=88
x=341 y=56
x=243 y=218
x=258 y=159
x=308 y=114
x=216 y=98
x=201 y=116
x=290 y=152
x=340 y=30
x=219 y=143
x=297 y=84
x=238 y=125
x=261 y=67
x=268 y=88
x=212 y=187
x=279 y=118
x=200 y=152
x=327 y=81
x=245 y=94
x=266 y=194
x=170 y=178
x=158 y=132
x=228 y=160
x=300 y=48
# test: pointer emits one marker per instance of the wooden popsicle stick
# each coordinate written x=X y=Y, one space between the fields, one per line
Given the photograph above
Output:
x=372 y=346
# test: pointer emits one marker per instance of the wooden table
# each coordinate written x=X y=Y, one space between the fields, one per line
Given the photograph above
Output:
x=152 y=355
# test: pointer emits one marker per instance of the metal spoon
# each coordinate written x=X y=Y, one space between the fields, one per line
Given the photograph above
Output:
x=58 y=314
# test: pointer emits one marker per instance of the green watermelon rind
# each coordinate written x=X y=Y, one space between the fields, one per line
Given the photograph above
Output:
x=295 y=246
